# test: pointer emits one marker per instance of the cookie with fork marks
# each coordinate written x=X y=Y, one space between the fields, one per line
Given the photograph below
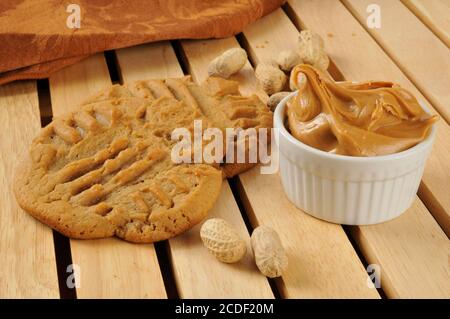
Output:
x=100 y=172
x=106 y=170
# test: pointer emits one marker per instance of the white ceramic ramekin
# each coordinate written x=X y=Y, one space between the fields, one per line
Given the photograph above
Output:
x=346 y=189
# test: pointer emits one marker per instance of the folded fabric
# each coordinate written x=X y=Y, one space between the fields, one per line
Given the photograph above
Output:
x=39 y=36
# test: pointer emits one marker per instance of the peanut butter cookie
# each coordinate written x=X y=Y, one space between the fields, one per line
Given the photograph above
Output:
x=106 y=169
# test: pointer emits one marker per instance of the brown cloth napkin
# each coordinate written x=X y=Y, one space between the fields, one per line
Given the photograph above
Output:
x=35 y=39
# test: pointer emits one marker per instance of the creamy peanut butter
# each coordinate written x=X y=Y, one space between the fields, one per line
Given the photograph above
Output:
x=357 y=119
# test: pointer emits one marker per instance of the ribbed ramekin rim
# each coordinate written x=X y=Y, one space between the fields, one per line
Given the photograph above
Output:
x=278 y=123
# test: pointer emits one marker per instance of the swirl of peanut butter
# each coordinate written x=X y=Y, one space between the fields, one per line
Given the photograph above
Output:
x=356 y=119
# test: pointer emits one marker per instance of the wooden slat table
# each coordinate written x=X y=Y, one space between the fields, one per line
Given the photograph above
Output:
x=325 y=260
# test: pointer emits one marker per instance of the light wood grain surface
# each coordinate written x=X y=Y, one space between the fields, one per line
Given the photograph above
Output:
x=26 y=246
x=412 y=254
x=418 y=218
x=70 y=86
x=322 y=262
x=110 y=268
x=155 y=60
x=197 y=273
x=355 y=62
x=413 y=47
x=435 y=14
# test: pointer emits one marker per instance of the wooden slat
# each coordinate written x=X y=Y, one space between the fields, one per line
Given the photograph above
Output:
x=156 y=60
x=110 y=268
x=415 y=236
x=70 y=86
x=197 y=273
x=413 y=47
x=322 y=262
x=435 y=14
x=356 y=62
x=26 y=246
x=413 y=256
